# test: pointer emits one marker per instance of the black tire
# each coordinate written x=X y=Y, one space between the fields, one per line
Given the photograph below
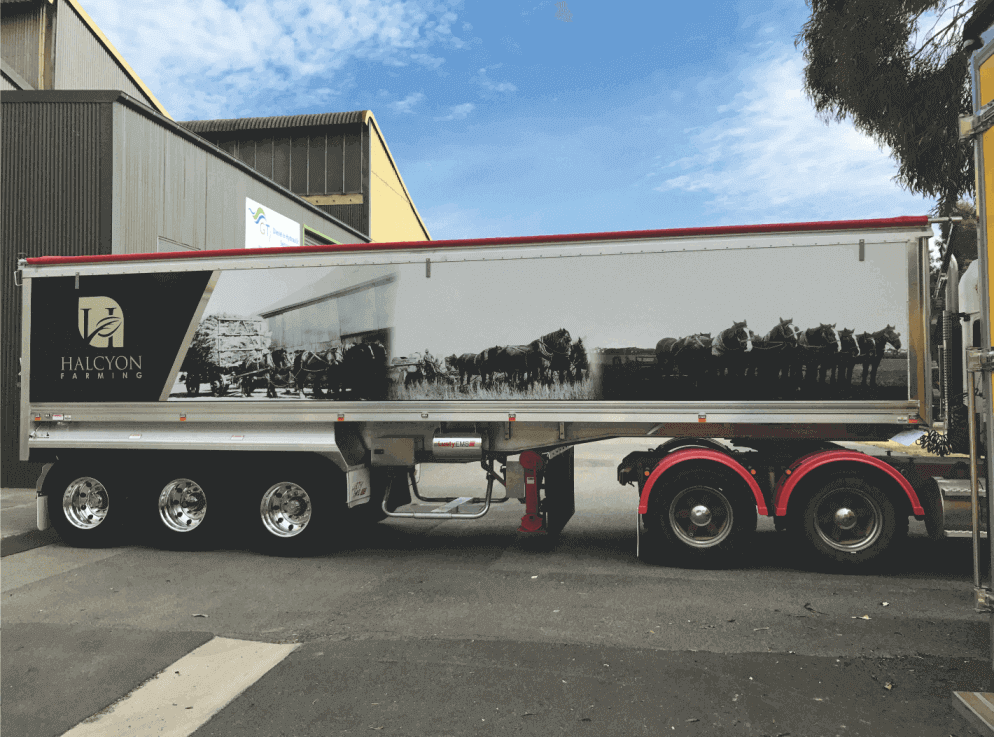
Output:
x=185 y=505
x=299 y=512
x=697 y=515
x=847 y=523
x=88 y=503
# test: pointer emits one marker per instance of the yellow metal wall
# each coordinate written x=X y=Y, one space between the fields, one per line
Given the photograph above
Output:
x=392 y=216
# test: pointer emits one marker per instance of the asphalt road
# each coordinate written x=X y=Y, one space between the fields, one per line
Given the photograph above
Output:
x=452 y=628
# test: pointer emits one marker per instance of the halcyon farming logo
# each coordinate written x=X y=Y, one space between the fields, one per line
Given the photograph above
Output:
x=101 y=325
x=101 y=322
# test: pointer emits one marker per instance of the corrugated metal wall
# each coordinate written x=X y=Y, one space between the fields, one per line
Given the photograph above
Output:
x=52 y=175
x=172 y=188
x=19 y=39
x=6 y=84
x=82 y=62
x=307 y=161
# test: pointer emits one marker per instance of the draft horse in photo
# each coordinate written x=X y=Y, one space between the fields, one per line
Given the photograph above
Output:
x=512 y=361
x=867 y=347
x=322 y=370
x=549 y=355
x=730 y=349
x=466 y=365
x=871 y=361
x=817 y=351
x=847 y=359
x=774 y=355
x=688 y=356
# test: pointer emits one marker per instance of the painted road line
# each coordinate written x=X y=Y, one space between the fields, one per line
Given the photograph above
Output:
x=977 y=707
x=179 y=699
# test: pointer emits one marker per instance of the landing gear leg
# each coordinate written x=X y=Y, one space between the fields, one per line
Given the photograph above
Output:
x=533 y=521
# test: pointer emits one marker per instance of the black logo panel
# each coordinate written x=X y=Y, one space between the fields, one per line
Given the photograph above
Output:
x=114 y=339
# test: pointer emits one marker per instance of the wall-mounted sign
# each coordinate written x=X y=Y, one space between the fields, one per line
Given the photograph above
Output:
x=266 y=228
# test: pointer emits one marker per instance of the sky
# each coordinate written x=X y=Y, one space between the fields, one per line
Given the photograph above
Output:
x=516 y=118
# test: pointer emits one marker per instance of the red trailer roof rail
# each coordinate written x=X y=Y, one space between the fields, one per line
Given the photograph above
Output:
x=882 y=223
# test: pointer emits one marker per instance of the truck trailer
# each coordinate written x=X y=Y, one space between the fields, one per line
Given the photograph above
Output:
x=292 y=394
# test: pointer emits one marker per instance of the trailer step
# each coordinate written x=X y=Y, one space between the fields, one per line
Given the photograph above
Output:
x=977 y=707
x=461 y=507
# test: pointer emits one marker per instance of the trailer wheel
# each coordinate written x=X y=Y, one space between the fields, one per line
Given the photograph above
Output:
x=700 y=514
x=87 y=503
x=299 y=513
x=187 y=507
x=847 y=522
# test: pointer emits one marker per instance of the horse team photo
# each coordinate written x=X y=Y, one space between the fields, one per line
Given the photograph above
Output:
x=704 y=325
x=786 y=362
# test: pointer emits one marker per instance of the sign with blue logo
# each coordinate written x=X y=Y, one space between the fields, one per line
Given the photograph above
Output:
x=266 y=228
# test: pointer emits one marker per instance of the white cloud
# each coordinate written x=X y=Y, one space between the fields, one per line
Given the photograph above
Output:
x=458 y=112
x=405 y=105
x=484 y=81
x=237 y=58
x=768 y=153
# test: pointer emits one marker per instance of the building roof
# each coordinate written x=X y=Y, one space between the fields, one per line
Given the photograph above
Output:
x=306 y=121
x=279 y=121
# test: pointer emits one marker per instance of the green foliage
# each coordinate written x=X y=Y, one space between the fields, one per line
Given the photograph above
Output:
x=901 y=80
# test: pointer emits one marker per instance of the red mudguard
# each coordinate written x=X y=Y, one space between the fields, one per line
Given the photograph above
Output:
x=700 y=454
x=804 y=465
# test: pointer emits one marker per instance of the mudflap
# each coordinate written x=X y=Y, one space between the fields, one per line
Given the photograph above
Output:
x=559 y=503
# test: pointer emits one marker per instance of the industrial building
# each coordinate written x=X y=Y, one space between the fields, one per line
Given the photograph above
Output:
x=340 y=162
x=92 y=163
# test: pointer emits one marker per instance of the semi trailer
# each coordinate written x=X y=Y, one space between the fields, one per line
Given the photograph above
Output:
x=290 y=395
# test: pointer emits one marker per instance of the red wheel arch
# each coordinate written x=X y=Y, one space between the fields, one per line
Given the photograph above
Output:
x=700 y=454
x=803 y=466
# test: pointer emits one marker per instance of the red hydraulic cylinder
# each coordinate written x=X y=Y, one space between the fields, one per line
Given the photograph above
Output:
x=532 y=463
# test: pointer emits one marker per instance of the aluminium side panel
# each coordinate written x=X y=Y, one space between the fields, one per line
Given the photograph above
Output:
x=578 y=331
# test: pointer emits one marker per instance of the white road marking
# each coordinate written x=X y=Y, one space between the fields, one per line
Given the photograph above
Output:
x=179 y=699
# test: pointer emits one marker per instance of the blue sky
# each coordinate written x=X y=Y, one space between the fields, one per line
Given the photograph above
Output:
x=506 y=119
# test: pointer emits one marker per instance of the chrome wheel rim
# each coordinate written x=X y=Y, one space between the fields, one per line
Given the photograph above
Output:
x=701 y=516
x=285 y=509
x=182 y=505
x=85 y=503
x=848 y=520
